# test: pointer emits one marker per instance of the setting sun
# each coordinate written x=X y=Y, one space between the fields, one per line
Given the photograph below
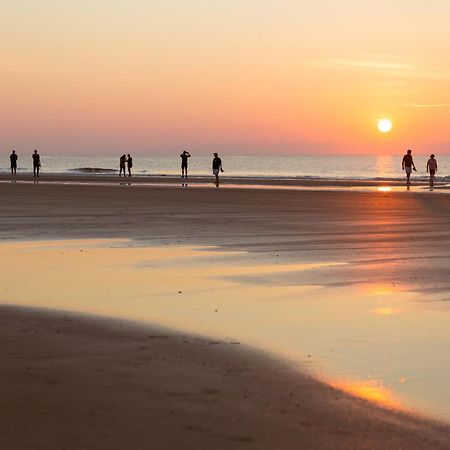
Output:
x=384 y=125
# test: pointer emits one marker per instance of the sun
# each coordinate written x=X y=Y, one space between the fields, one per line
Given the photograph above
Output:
x=384 y=125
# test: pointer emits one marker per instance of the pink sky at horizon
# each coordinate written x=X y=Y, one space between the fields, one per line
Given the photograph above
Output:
x=263 y=77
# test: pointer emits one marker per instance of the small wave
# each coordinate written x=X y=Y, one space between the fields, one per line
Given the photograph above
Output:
x=92 y=170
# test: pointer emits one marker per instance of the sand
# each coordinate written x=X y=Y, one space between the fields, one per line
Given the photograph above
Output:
x=80 y=382
x=208 y=179
x=74 y=382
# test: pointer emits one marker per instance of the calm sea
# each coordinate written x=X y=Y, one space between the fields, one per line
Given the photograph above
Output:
x=331 y=167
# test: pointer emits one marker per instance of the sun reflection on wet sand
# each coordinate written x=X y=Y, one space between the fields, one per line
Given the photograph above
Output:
x=371 y=390
x=340 y=331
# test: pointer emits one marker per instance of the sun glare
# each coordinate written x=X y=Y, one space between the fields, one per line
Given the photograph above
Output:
x=384 y=125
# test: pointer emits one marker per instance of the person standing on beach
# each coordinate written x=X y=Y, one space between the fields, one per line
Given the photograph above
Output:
x=432 y=168
x=408 y=165
x=184 y=163
x=122 y=161
x=36 y=163
x=129 y=164
x=217 y=167
x=13 y=158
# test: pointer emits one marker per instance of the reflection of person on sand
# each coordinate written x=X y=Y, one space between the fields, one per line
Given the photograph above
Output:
x=13 y=159
x=184 y=163
x=122 y=161
x=408 y=165
x=36 y=163
x=217 y=167
x=432 y=168
x=129 y=164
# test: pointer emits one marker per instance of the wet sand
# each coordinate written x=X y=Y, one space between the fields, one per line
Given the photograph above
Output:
x=226 y=180
x=77 y=382
x=212 y=394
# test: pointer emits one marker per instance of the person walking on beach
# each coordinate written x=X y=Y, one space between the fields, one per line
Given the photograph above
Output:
x=217 y=167
x=432 y=168
x=36 y=163
x=122 y=161
x=408 y=165
x=184 y=163
x=13 y=159
x=129 y=164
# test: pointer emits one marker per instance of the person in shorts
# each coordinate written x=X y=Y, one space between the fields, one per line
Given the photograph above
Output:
x=432 y=168
x=216 y=167
x=408 y=165
x=13 y=160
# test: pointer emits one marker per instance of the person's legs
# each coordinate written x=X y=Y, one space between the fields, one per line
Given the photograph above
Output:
x=34 y=171
x=129 y=171
x=408 y=174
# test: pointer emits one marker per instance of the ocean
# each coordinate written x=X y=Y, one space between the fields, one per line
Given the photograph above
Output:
x=327 y=167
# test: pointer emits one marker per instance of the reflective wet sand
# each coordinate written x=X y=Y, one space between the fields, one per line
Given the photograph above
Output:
x=380 y=340
x=373 y=313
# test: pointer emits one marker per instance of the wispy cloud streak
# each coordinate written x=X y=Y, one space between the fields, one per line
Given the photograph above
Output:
x=430 y=105
x=387 y=64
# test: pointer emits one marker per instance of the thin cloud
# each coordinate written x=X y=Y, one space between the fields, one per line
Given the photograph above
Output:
x=384 y=64
x=430 y=105
x=371 y=64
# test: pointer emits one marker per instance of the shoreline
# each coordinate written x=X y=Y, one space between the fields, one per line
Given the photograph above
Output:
x=225 y=181
x=83 y=382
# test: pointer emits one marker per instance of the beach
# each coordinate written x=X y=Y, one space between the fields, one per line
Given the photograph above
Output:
x=161 y=386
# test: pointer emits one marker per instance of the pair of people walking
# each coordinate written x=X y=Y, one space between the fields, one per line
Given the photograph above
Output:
x=36 y=163
x=125 y=161
x=408 y=166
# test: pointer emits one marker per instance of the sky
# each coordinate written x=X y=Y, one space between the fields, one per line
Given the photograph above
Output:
x=239 y=77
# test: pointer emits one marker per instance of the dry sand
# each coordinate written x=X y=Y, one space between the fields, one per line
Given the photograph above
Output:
x=72 y=382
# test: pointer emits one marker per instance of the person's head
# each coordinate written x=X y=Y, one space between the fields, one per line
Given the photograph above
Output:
x=35 y=151
x=432 y=156
x=216 y=154
x=409 y=152
x=129 y=155
x=14 y=152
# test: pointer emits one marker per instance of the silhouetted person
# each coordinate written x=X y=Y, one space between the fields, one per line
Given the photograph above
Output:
x=122 y=161
x=408 y=165
x=432 y=168
x=36 y=163
x=13 y=159
x=184 y=163
x=217 y=167
x=129 y=164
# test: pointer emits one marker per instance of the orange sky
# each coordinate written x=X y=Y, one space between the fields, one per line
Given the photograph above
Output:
x=269 y=77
